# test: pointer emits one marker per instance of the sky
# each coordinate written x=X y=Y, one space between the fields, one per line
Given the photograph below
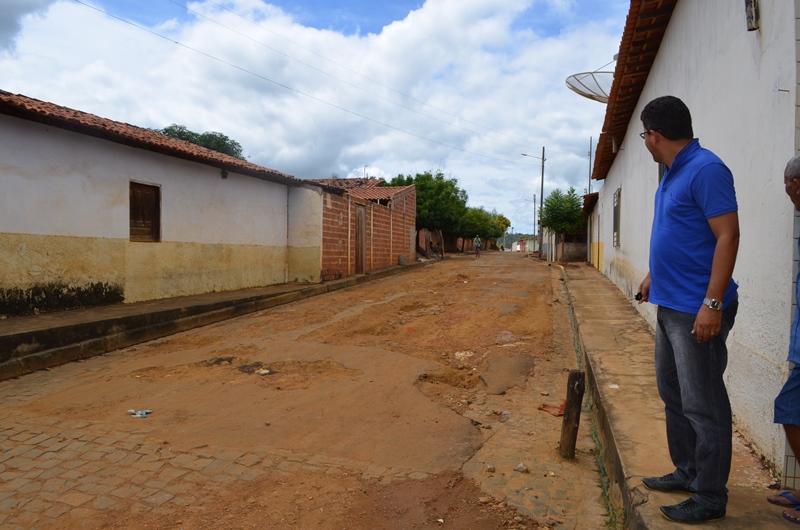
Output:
x=352 y=88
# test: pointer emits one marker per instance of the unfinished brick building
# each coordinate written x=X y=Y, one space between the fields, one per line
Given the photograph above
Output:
x=366 y=226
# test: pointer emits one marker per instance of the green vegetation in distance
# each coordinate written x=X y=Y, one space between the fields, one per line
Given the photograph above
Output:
x=215 y=141
x=442 y=206
x=563 y=213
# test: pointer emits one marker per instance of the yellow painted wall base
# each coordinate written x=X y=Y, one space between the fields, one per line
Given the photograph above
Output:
x=43 y=273
x=167 y=269
x=597 y=256
x=305 y=264
x=27 y=260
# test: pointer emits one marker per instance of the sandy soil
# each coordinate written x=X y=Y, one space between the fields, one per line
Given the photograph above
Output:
x=389 y=383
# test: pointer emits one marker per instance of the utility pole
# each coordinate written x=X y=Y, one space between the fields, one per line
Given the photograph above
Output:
x=540 y=217
x=542 y=195
x=590 y=166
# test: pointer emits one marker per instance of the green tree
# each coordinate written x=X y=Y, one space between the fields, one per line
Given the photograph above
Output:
x=211 y=140
x=563 y=213
x=441 y=204
x=503 y=222
x=477 y=221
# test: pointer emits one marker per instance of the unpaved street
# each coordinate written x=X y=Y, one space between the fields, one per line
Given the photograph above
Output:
x=428 y=399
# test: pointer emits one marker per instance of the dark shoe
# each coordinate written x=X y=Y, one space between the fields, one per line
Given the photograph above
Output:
x=665 y=483
x=689 y=511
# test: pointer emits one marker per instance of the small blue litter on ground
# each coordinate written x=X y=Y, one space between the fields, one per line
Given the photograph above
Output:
x=139 y=413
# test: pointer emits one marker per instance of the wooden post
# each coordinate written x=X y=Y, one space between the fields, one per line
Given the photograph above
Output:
x=572 y=414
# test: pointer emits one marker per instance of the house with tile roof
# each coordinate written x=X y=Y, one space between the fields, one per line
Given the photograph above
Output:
x=735 y=65
x=366 y=226
x=94 y=211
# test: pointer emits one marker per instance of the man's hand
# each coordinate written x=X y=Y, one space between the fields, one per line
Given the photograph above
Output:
x=707 y=324
x=644 y=288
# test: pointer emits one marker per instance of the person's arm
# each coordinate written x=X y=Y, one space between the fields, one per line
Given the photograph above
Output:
x=725 y=227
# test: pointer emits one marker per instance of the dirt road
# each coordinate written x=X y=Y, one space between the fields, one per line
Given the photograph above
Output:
x=427 y=399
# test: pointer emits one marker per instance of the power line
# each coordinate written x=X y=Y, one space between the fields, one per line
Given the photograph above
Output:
x=331 y=75
x=412 y=98
x=287 y=87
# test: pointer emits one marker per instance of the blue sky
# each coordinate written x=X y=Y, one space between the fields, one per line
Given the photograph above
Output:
x=315 y=88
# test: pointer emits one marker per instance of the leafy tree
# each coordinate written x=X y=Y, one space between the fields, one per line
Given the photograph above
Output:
x=441 y=204
x=503 y=222
x=211 y=140
x=563 y=214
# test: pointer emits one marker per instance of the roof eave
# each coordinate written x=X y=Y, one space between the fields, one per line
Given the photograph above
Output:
x=645 y=26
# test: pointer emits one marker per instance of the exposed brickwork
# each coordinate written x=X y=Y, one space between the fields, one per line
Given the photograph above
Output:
x=335 y=235
x=388 y=232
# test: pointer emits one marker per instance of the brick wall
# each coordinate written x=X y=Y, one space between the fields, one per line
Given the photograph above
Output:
x=388 y=233
x=334 y=236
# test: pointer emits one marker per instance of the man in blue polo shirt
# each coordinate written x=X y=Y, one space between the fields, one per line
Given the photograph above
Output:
x=693 y=246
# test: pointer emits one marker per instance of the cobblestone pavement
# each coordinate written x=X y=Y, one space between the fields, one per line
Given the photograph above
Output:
x=51 y=467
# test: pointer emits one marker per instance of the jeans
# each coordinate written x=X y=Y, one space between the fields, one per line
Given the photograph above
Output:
x=698 y=412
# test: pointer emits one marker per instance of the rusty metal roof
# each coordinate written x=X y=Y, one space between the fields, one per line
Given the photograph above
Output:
x=644 y=29
x=80 y=122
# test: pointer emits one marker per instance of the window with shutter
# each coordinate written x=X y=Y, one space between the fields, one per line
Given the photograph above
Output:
x=145 y=212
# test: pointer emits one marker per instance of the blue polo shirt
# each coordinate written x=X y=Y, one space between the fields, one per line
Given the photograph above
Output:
x=697 y=187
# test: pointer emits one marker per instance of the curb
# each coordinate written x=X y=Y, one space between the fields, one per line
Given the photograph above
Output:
x=610 y=459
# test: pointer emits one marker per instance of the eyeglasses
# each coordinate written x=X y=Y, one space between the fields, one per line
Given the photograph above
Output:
x=643 y=134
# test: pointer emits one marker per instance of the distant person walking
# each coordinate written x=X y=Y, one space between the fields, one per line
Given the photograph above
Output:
x=787 y=404
x=477 y=244
x=695 y=203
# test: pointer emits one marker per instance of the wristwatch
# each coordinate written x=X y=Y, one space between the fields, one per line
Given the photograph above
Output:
x=716 y=305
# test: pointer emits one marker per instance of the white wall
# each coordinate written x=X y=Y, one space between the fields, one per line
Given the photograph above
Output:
x=741 y=89
x=304 y=236
x=64 y=220
x=60 y=183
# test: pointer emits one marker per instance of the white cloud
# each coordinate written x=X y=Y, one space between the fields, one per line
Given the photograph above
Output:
x=495 y=87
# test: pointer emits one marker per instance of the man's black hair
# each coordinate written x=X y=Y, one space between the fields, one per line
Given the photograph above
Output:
x=669 y=116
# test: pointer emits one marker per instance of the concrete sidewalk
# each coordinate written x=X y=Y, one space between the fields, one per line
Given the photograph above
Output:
x=617 y=346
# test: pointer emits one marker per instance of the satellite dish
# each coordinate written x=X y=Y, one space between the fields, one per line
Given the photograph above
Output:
x=592 y=85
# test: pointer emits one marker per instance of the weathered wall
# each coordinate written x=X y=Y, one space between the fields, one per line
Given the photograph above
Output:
x=65 y=224
x=569 y=251
x=741 y=89
x=59 y=272
x=304 y=260
x=167 y=269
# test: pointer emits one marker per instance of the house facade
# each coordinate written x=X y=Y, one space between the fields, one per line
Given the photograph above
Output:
x=737 y=72
x=96 y=212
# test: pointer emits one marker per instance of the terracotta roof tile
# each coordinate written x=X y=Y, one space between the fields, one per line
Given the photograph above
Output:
x=84 y=123
x=368 y=189
x=644 y=29
x=378 y=193
x=349 y=183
